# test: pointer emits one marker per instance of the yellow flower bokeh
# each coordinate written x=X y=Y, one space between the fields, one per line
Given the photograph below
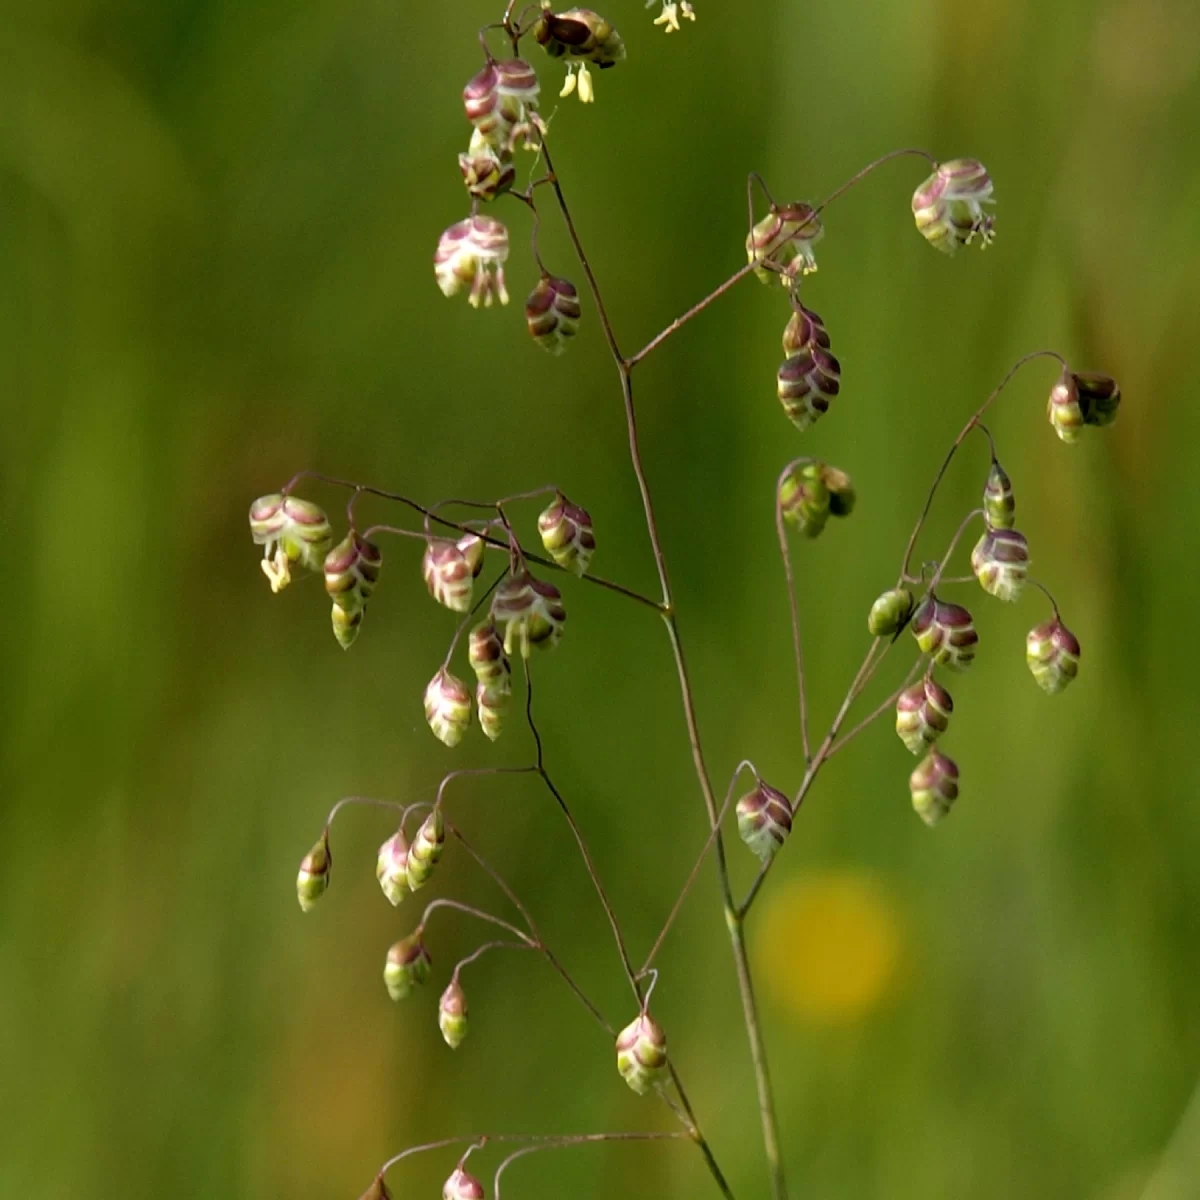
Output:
x=828 y=946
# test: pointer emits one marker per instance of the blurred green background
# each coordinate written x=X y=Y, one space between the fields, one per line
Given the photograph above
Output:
x=216 y=227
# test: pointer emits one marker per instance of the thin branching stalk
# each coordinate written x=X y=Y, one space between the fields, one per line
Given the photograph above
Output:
x=766 y=1101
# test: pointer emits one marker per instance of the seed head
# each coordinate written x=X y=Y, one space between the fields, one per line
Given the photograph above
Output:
x=842 y=496
x=784 y=238
x=804 y=331
x=1099 y=397
x=934 y=787
x=473 y=252
x=552 y=313
x=452 y=1015
x=890 y=612
x=346 y=624
x=531 y=612
x=948 y=206
x=290 y=530
x=1063 y=408
x=1052 y=652
x=449 y=569
x=462 y=1186
x=391 y=867
x=351 y=572
x=999 y=503
x=806 y=383
x=764 y=817
x=486 y=172
x=582 y=37
x=481 y=102
x=642 y=1054
x=946 y=632
x=566 y=532
x=923 y=714
x=485 y=651
x=313 y=879
x=804 y=499
x=581 y=34
x=493 y=706
x=426 y=850
x=447 y=708
x=473 y=548
x=1000 y=562
x=407 y=966
x=501 y=102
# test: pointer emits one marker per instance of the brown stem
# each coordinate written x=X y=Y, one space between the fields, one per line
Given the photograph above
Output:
x=609 y=336
x=694 y=1133
x=470 y=910
x=662 y=935
x=475 y=772
x=944 y=561
x=694 y=311
x=479 y=1140
x=480 y=951
x=430 y=514
x=958 y=441
x=535 y=932
x=692 y=1124
x=733 y=919
x=869 y=666
x=861 y=175
x=866 y=721
x=579 y=1139
x=580 y=840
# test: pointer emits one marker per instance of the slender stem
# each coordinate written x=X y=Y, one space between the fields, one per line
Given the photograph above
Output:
x=441 y=1144
x=958 y=441
x=688 y=1116
x=480 y=951
x=394 y=530
x=693 y=1127
x=694 y=311
x=580 y=840
x=1041 y=587
x=430 y=514
x=944 y=561
x=658 y=941
x=753 y=178
x=370 y=801
x=496 y=877
x=861 y=175
x=578 y=1140
x=475 y=772
x=463 y=626
x=793 y=605
x=548 y=1140
x=870 y=665
x=848 y=737
x=758 y=1055
x=601 y=1020
x=609 y=336
x=458 y=906
x=733 y=919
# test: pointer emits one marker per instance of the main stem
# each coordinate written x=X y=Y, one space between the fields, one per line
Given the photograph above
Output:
x=733 y=917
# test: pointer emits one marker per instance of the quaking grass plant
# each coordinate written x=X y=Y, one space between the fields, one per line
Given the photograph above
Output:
x=516 y=614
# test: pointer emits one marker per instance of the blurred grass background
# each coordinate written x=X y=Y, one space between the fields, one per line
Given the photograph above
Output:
x=216 y=225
